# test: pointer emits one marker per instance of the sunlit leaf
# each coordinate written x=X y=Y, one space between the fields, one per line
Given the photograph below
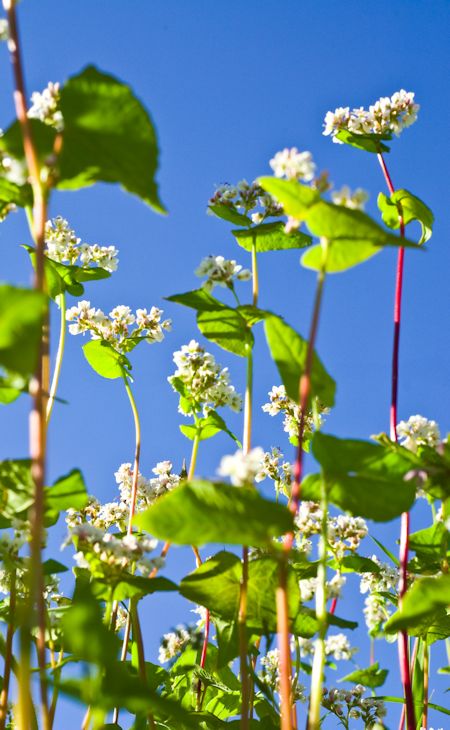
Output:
x=105 y=360
x=371 y=677
x=227 y=328
x=271 y=237
x=21 y=316
x=425 y=596
x=368 y=142
x=411 y=208
x=295 y=198
x=229 y=213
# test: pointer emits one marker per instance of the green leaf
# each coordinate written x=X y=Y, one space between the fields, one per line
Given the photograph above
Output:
x=368 y=142
x=21 y=316
x=63 y=277
x=11 y=386
x=50 y=567
x=131 y=586
x=253 y=315
x=371 y=677
x=411 y=208
x=105 y=360
x=16 y=487
x=289 y=350
x=271 y=237
x=202 y=512
x=199 y=299
x=355 y=564
x=208 y=427
x=108 y=137
x=340 y=257
x=67 y=492
x=44 y=136
x=421 y=601
x=11 y=195
x=430 y=544
x=295 y=198
x=227 y=328
x=230 y=213
x=362 y=478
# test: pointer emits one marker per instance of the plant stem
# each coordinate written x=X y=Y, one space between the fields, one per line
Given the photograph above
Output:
x=37 y=425
x=426 y=672
x=282 y=597
x=321 y=615
x=194 y=455
x=137 y=453
x=255 y=277
x=403 y=648
x=137 y=638
x=8 y=653
x=61 y=301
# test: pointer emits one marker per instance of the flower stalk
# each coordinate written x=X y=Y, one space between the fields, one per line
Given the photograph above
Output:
x=61 y=301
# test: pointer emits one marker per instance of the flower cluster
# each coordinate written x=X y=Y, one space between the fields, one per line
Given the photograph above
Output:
x=281 y=403
x=355 y=200
x=4 y=29
x=344 y=533
x=242 y=468
x=175 y=641
x=115 y=328
x=376 y=606
x=388 y=115
x=221 y=271
x=63 y=245
x=202 y=382
x=245 y=197
x=272 y=467
x=333 y=587
x=336 y=646
x=270 y=674
x=45 y=106
x=418 y=431
x=350 y=704
x=293 y=165
x=108 y=556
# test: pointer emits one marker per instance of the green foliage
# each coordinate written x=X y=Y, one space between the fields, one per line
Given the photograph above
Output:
x=362 y=478
x=105 y=360
x=295 y=198
x=61 y=278
x=367 y=142
x=421 y=602
x=405 y=204
x=203 y=512
x=130 y=586
x=16 y=488
x=21 y=317
x=271 y=237
x=13 y=195
x=11 y=386
x=228 y=329
x=11 y=142
x=206 y=428
x=230 y=213
x=289 y=350
x=67 y=492
x=371 y=677
x=108 y=137
x=198 y=299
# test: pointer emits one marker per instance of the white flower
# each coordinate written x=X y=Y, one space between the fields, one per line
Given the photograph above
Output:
x=241 y=468
x=338 y=646
x=334 y=121
x=221 y=271
x=345 y=533
x=386 y=116
x=45 y=106
x=63 y=245
x=206 y=385
x=281 y=403
x=418 y=431
x=4 y=29
x=293 y=165
x=172 y=644
x=355 y=200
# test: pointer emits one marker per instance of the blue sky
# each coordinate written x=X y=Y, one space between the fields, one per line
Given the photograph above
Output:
x=228 y=84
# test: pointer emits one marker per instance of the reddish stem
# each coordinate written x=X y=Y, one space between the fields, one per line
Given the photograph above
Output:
x=333 y=606
x=403 y=648
x=203 y=657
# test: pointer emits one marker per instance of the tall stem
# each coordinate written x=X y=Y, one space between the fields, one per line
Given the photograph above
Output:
x=282 y=595
x=403 y=649
x=137 y=454
x=8 y=653
x=37 y=425
x=321 y=615
x=137 y=637
x=426 y=677
x=255 y=277
x=61 y=301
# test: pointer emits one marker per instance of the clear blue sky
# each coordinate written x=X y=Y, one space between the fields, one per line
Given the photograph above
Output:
x=228 y=84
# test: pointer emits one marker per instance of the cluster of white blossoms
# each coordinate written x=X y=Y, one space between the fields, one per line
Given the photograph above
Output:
x=4 y=29
x=293 y=165
x=270 y=674
x=388 y=115
x=355 y=200
x=281 y=403
x=115 y=328
x=108 y=555
x=202 y=382
x=221 y=271
x=336 y=646
x=45 y=106
x=333 y=587
x=418 y=431
x=241 y=468
x=273 y=467
x=350 y=704
x=63 y=245
x=344 y=533
x=377 y=608
x=175 y=641
x=246 y=197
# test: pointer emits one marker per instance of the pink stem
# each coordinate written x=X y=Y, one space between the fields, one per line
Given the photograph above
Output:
x=333 y=606
x=403 y=648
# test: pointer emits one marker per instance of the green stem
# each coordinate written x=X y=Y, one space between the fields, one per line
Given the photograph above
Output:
x=137 y=638
x=137 y=453
x=8 y=653
x=255 y=278
x=321 y=615
x=61 y=301
x=194 y=454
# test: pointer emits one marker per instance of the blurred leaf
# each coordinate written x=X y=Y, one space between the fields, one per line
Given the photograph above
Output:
x=271 y=237
x=368 y=142
x=131 y=586
x=289 y=350
x=295 y=198
x=340 y=257
x=11 y=386
x=105 y=360
x=21 y=316
x=230 y=213
x=68 y=492
x=371 y=677
x=50 y=567
x=425 y=596
x=355 y=564
x=430 y=544
x=411 y=208
x=202 y=512
x=362 y=478
x=227 y=328
x=11 y=195
x=208 y=427
x=108 y=136
x=16 y=487
x=44 y=136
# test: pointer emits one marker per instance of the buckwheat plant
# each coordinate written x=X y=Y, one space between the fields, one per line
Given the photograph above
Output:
x=277 y=549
